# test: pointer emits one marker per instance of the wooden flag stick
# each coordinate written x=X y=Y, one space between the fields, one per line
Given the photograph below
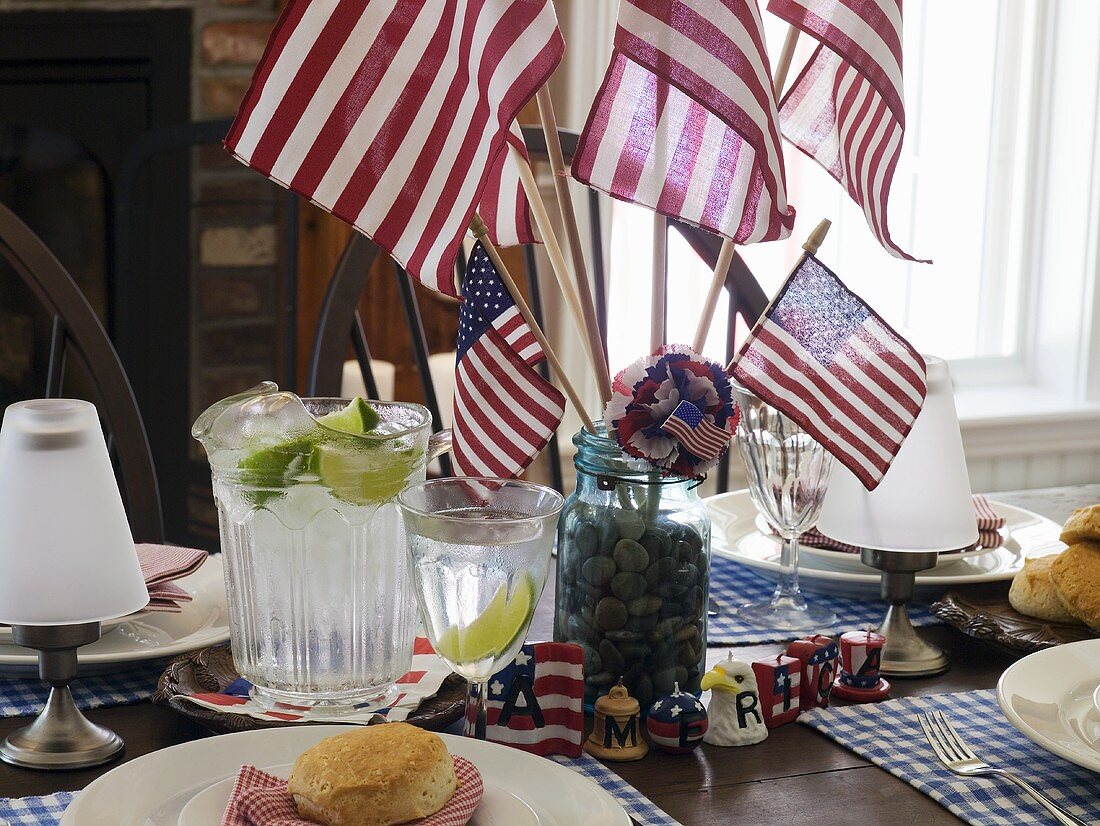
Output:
x=573 y=237
x=725 y=255
x=659 y=286
x=477 y=226
x=557 y=260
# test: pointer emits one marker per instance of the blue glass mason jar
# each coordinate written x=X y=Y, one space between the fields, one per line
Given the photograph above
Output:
x=633 y=574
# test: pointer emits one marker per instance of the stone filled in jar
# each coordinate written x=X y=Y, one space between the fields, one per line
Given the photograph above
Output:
x=633 y=574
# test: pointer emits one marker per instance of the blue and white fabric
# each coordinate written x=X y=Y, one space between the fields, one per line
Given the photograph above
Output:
x=35 y=811
x=975 y=715
x=637 y=805
x=25 y=697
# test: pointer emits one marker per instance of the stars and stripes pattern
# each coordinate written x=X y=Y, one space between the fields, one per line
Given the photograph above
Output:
x=391 y=114
x=827 y=360
x=504 y=410
x=845 y=110
x=685 y=122
x=554 y=672
x=691 y=428
x=504 y=206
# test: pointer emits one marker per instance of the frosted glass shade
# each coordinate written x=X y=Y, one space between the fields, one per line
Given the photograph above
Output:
x=66 y=552
x=923 y=503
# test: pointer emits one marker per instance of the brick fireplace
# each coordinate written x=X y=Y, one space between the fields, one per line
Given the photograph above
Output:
x=200 y=309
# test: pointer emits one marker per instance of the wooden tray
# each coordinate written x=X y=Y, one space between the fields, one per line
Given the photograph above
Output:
x=212 y=669
x=985 y=614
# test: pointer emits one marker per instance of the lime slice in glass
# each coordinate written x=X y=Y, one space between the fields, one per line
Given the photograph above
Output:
x=494 y=630
x=273 y=467
x=358 y=418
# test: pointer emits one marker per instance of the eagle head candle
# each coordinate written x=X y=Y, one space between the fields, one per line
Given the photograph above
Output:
x=860 y=680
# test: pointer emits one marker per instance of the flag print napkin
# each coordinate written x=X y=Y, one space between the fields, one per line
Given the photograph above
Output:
x=261 y=799
x=160 y=566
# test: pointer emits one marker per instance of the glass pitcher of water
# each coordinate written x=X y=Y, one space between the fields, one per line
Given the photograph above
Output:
x=321 y=609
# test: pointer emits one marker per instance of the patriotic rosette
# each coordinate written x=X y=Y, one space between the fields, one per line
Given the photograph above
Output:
x=675 y=410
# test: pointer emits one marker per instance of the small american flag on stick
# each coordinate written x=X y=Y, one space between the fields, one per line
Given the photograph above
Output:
x=394 y=114
x=685 y=122
x=504 y=410
x=826 y=359
x=688 y=424
x=845 y=110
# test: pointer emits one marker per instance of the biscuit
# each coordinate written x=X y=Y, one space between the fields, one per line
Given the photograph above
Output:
x=1033 y=593
x=1076 y=577
x=1083 y=525
x=373 y=776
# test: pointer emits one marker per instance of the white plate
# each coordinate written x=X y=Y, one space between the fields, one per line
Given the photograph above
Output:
x=203 y=622
x=104 y=626
x=155 y=789
x=736 y=535
x=1048 y=697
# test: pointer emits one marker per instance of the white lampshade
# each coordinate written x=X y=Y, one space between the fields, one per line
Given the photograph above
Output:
x=923 y=502
x=66 y=552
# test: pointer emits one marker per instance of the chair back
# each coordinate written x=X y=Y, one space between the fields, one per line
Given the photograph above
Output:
x=76 y=329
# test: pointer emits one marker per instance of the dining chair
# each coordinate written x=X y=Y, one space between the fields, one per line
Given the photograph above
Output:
x=77 y=331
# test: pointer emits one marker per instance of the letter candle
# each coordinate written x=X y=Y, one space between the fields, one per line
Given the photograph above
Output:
x=860 y=657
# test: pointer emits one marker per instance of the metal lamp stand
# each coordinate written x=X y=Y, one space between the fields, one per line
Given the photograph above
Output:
x=905 y=654
x=60 y=737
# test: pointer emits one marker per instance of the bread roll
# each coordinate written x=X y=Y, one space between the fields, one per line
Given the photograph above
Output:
x=1076 y=577
x=1033 y=593
x=373 y=776
x=1083 y=525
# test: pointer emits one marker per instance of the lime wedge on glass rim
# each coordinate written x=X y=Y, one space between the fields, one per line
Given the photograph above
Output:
x=494 y=630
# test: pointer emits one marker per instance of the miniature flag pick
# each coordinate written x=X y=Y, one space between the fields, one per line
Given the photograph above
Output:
x=823 y=357
x=688 y=424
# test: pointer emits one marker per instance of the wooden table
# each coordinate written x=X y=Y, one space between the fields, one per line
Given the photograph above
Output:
x=796 y=773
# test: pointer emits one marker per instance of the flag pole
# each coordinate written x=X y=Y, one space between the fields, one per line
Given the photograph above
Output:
x=811 y=246
x=573 y=236
x=659 y=286
x=557 y=261
x=481 y=232
x=725 y=255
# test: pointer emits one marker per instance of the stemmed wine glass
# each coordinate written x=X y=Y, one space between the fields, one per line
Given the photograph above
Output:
x=479 y=550
x=788 y=474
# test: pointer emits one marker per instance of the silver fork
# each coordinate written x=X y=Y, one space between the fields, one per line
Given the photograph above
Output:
x=957 y=756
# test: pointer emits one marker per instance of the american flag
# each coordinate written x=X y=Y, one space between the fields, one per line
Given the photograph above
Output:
x=553 y=674
x=826 y=359
x=390 y=114
x=845 y=110
x=685 y=122
x=504 y=411
x=504 y=207
x=691 y=428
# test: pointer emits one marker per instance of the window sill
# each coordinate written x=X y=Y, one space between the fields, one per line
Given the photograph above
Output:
x=1023 y=419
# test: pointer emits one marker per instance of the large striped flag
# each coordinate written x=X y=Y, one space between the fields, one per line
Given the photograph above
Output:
x=392 y=113
x=504 y=206
x=504 y=410
x=685 y=122
x=846 y=109
x=826 y=359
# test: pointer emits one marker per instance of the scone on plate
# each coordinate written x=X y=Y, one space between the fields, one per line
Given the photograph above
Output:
x=1076 y=577
x=1033 y=592
x=373 y=776
x=1083 y=525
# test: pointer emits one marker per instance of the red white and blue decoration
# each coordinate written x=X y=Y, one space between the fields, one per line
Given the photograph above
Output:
x=677 y=722
x=860 y=679
x=674 y=410
x=779 y=680
x=820 y=355
x=735 y=715
x=818 y=657
x=536 y=703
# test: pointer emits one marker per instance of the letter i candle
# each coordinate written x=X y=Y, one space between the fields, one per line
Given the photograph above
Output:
x=860 y=658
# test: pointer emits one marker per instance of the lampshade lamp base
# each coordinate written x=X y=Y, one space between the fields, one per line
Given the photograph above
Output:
x=905 y=654
x=60 y=737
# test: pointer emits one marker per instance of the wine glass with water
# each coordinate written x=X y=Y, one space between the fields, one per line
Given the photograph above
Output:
x=480 y=552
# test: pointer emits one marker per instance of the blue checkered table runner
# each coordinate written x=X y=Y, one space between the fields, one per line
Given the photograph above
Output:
x=35 y=811
x=637 y=805
x=975 y=715
x=26 y=696
x=732 y=584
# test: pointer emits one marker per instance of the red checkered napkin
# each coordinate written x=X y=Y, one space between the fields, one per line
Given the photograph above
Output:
x=261 y=799
x=160 y=565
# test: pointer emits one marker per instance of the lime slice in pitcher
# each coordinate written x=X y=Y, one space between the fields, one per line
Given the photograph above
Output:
x=363 y=475
x=494 y=630
x=358 y=418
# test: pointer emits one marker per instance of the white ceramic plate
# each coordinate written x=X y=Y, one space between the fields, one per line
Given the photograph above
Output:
x=156 y=789
x=104 y=626
x=736 y=535
x=204 y=621
x=1049 y=697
